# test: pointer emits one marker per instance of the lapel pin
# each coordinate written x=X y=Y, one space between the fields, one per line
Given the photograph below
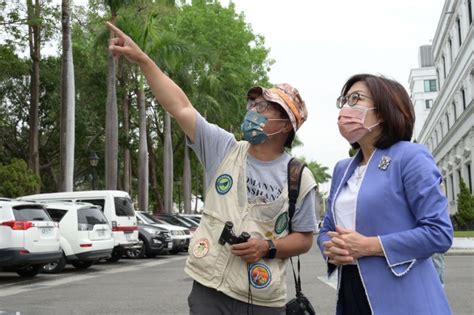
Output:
x=384 y=162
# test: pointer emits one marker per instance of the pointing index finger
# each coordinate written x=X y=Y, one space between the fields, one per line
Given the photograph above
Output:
x=115 y=29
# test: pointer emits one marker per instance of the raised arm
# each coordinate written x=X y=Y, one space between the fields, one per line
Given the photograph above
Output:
x=169 y=95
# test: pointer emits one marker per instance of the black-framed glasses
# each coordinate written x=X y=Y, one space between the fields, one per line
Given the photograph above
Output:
x=259 y=107
x=350 y=99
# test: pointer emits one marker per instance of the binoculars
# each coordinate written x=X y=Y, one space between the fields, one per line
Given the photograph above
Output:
x=228 y=236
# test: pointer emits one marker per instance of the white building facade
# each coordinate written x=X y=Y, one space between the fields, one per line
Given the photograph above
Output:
x=423 y=85
x=449 y=127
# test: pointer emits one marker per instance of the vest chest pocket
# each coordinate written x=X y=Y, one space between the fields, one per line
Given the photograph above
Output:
x=206 y=255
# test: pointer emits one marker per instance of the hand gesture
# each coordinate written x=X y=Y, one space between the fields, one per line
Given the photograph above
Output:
x=355 y=244
x=124 y=45
x=250 y=251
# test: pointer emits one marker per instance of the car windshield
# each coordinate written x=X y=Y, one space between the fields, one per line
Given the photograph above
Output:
x=30 y=213
x=56 y=214
x=148 y=218
x=176 y=221
x=91 y=216
x=123 y=207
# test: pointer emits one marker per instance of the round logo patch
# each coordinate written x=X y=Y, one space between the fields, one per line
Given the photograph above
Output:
x=223 y=184
x=201 y=248
x=260 y=275
x=281 y=223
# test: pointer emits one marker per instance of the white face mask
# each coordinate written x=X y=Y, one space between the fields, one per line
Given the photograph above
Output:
x=351 y=122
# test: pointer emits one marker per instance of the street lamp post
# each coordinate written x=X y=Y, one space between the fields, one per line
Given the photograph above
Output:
x=93 y=159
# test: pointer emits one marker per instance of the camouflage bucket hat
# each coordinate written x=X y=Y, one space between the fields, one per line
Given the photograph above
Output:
x=288 y=98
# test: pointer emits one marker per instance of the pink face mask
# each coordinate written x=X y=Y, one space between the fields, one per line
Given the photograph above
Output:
x=351 y=123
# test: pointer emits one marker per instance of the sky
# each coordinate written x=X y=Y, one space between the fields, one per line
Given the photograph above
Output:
x=317 y=45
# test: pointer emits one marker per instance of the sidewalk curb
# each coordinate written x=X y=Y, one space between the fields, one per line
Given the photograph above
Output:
x=460 y=252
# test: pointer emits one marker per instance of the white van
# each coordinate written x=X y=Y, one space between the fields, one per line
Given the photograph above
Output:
x=86 y=236
x=28 y=238
x=117 y=208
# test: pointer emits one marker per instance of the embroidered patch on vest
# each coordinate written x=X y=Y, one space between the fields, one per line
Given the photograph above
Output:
x=223 y=184
x=260 y=275
x=281 y=223
x=269 y=234
x=201 y=248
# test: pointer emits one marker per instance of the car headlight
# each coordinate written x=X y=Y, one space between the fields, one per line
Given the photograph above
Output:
x=152 y=231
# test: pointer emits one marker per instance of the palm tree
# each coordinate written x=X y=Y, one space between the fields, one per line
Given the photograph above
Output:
x=34 y=39
x=67 y=121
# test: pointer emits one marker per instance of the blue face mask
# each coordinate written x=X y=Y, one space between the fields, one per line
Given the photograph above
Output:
x=252 y=127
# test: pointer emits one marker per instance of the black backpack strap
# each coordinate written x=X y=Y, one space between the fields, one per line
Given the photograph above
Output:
x=295 y=171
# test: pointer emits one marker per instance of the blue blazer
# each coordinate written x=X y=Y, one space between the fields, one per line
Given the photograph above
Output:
x=401 y=203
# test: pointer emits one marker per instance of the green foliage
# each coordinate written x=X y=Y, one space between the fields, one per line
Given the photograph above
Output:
x=319 y=171
x=17 y=180
x=465 y=201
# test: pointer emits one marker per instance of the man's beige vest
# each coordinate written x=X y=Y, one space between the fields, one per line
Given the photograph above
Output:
x=212 y=264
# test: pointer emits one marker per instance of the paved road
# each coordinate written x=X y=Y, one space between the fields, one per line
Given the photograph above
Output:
x=159 y=286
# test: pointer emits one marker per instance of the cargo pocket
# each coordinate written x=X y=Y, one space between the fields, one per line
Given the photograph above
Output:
x=205 y=252
x=263 y=277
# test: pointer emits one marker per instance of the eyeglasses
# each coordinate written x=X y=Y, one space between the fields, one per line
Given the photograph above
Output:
x=350 y=99
x=260 y=107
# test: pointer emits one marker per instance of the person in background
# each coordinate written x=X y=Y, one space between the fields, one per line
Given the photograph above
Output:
x=246 y=184
x=386 y=213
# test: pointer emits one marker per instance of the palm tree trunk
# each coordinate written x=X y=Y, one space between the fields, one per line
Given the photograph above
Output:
x=34 y=37
x=67 y=122
x=186 y=180
x=153 y=176
x=111 y=122
x=168 y=166
x=126 y=158
x=142 y=152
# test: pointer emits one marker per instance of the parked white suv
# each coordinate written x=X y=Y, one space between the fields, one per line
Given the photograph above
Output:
x=28 y=238
x=179 y=235
x=117 y=208
x=85 y=235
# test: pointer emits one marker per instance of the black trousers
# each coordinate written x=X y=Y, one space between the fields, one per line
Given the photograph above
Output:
x=352 y=294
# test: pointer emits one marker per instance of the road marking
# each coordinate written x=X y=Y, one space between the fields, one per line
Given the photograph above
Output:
x=61 y=281
x=332 y=282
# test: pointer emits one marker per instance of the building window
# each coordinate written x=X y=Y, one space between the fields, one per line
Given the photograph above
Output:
x=437 y=137
x=469 y=178
x=463 y=99
x=455 y=115
x=458 y=23
x=442 y=129
x=430 y=85
x=444 y=66
x=469 y=11
x=447 y=120
x=428 y=104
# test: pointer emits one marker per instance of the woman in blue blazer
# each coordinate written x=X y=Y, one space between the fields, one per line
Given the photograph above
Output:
x=386 y=213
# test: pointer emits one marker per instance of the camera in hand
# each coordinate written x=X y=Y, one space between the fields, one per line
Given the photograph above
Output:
x=228 y=236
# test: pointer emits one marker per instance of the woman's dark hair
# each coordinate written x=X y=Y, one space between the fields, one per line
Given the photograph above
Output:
x=393 y=108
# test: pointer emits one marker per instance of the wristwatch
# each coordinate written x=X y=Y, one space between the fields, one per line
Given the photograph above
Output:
x=271 y=250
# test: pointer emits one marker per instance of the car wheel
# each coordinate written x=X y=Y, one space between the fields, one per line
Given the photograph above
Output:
x=55 y=266
x=116 y=255
x=136 y=252
x=30 y=271
x=82 y=264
